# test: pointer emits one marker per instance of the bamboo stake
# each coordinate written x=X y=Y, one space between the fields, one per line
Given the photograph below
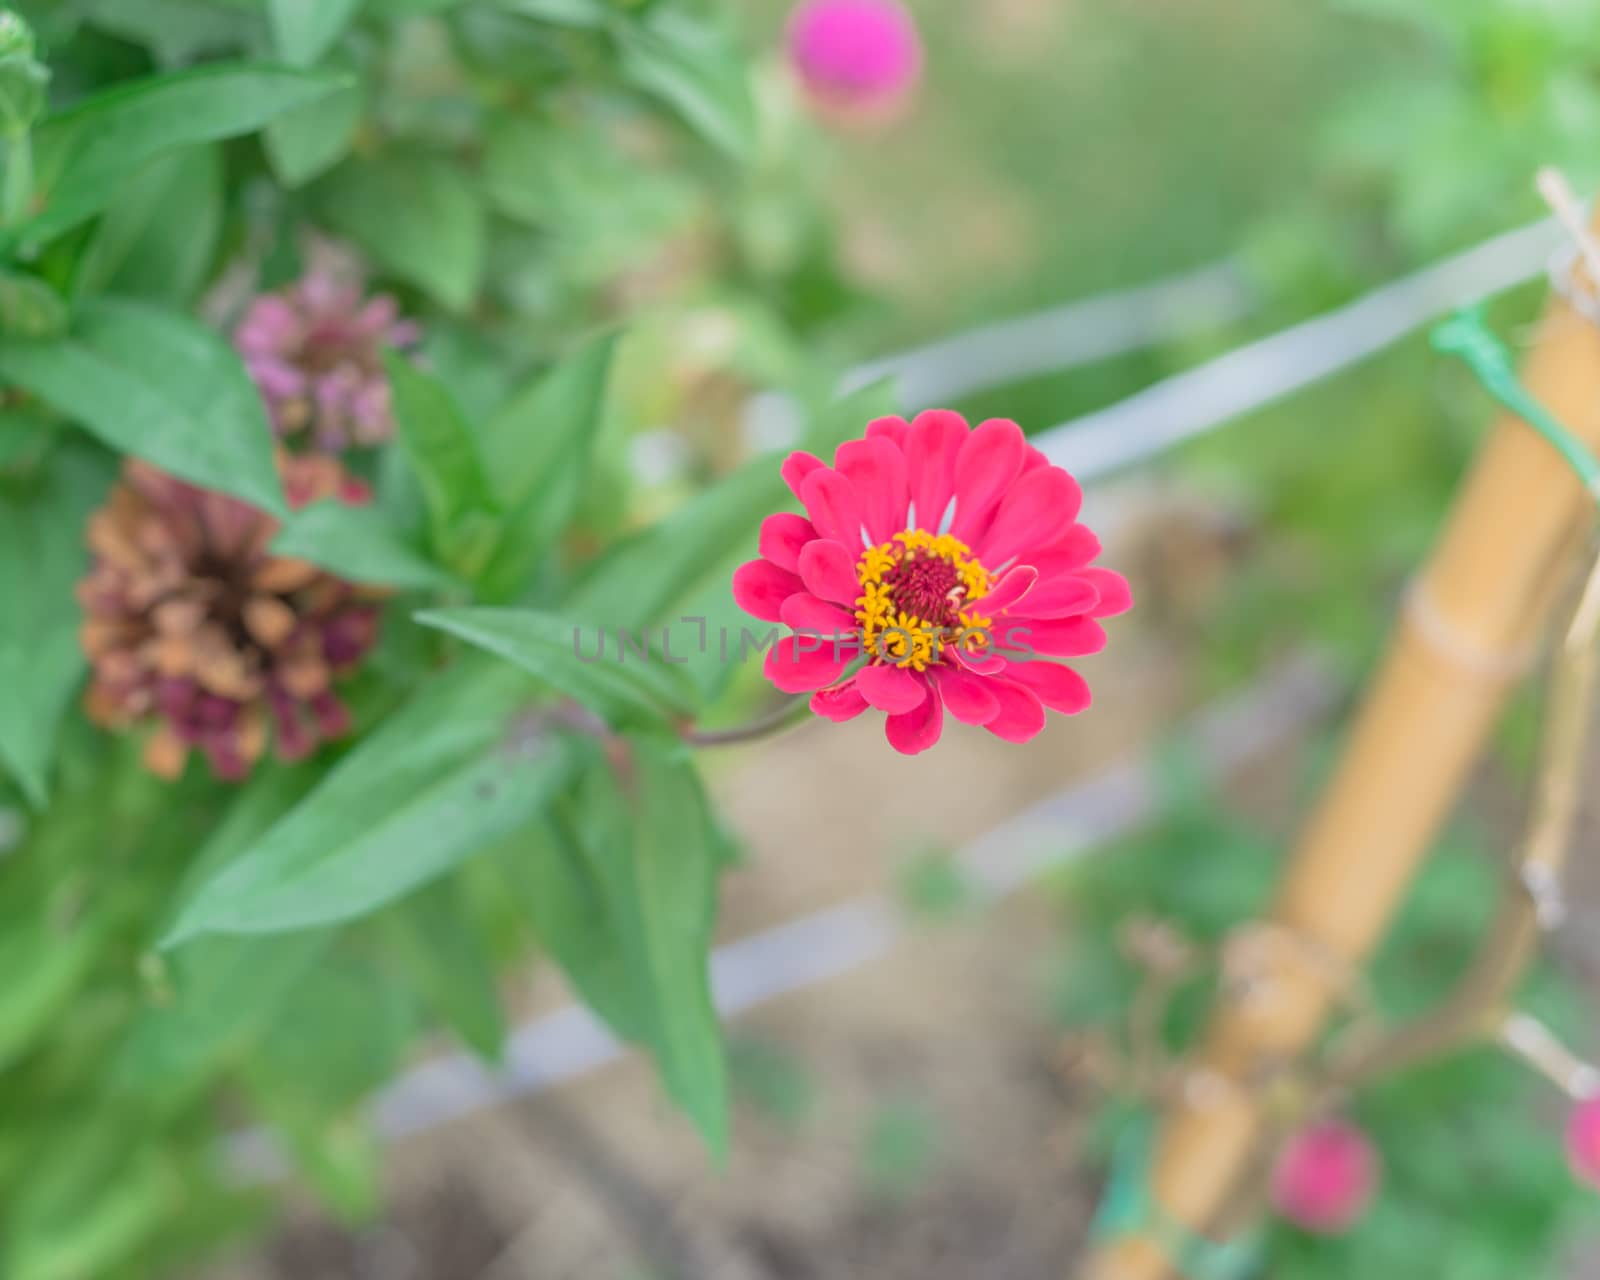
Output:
x=1468 y=630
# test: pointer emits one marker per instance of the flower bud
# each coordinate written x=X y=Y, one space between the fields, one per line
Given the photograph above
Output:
x=858 y=59
x=22 y=76
x=1325 y=1177
x=1583 y=1141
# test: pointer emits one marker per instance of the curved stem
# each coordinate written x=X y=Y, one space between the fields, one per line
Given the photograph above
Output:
x=774 y=721
x=1476 y=1008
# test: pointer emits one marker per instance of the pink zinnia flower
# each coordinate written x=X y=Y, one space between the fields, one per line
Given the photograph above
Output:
x=947 y=560
x=1583 y=1141
x=856 y=58
x=1325 y=1177
x=315 y=350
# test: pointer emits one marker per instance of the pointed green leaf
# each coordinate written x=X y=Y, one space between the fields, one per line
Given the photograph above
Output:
x=697 y=70
x=659 y=864
x=432 y=939
x=571 y=658
x=540 y=448
x=155 y=384
x=304 y=30
x=442 y=447
x=455 y=770
x=158 y=240
x=417 y=215
x=30 y=308
x=641 y=578
x=87 y=152
x=42 y=557
x=305 y=143
x=360 y=545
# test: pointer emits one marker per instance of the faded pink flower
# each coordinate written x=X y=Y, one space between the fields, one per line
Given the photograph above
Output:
x=1583 y=1141
x=858 y=59
x=315 y=350
x=1325 y=1177
x=950 y=563
x=196 y=630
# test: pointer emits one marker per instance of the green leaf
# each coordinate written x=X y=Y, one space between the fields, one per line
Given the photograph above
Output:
x=159 y=238
x=87 y=152
x=626 y=686
x=42 y=557
x=304 y=30
x=222 y=991
x=452 y=772
x=431 y=937
x=88 y=1206
x=160 y=386
x=639 y=579
x=572 y=13
x=30 y=308
x=305 y=143
x=540 y=448
x=360 y=545
x=651 y=849
x=444 y=455
x=697 y=70
x=177 y=32
x=558 y=882
x=417 y=215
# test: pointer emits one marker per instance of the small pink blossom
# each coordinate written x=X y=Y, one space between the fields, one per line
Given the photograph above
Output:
x=1325 y=1177
x=315 y=350
x=1583 y=1141
x=949 y=563
x=858 y=59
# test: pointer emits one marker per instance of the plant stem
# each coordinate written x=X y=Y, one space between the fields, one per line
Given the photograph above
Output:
x=1475 y=1010
x=16 y=177
x=775 y=721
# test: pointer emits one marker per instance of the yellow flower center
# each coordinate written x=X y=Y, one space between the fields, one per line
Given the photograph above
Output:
x=914 y=593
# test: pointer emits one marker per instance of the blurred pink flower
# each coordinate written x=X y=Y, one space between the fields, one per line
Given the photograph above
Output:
x=858 y=59
x=1325 y=1177
x=1583 y=1141
x=315 y=350
x=950 y=559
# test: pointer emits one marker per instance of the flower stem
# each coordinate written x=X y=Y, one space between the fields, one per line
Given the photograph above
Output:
x=16 y=177
x=778 y=719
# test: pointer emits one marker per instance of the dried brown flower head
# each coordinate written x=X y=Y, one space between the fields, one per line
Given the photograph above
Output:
x=192 y=625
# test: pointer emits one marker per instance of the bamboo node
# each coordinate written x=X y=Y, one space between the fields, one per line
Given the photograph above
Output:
x=1435 y=630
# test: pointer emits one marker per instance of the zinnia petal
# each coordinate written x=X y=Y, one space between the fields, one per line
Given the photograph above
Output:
x=800 y=664
x=1112 y=588
x=1009 y=590
x=932 y=447
x=840 y=703
x=829 y=572
x=1021 y=714
x=760 y=588
x=915 y=731
x=783 y=535
x=877 y=469
x=988 y=463
x=1054 y=637
x=1039 y=508
x=830 y=500
x=968 y=696
x=892 y=689
x=1060 y=688
x=796 y=467
x=1064 y=597
x=804 y=612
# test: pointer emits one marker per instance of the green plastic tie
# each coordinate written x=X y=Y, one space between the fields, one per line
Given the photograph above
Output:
x=1128 y=1209
x=1468 y=336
